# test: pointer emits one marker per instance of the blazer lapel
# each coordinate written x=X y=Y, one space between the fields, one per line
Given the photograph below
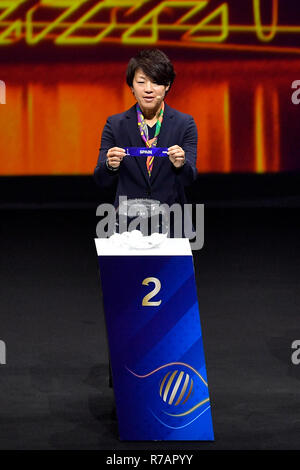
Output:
x=135 y=140
x=164 y=140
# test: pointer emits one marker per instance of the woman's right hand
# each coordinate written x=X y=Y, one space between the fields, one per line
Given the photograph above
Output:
x=114 y=156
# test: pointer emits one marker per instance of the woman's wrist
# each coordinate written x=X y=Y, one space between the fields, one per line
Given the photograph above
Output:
x=111 y=168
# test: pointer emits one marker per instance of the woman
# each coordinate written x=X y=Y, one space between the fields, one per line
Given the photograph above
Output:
x=149 y=123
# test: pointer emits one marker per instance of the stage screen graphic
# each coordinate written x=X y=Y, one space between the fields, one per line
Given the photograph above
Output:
x=62 y=72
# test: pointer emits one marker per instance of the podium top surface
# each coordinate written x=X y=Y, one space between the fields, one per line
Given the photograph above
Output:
x=169 y=247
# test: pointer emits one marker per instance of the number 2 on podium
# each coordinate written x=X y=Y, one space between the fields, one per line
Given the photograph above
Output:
x=146 y=300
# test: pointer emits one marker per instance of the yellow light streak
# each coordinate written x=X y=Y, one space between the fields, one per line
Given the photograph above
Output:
x=259 y=131
x=148 y=29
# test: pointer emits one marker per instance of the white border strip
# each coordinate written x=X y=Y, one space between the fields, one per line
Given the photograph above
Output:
x=170 y=247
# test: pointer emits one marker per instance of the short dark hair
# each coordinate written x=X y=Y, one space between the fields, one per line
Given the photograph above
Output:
x=155 y=64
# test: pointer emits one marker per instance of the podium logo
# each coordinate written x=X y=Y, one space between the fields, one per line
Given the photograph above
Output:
x=177 y=388
x=180 y=385
x=2 y=352
x=2 y=92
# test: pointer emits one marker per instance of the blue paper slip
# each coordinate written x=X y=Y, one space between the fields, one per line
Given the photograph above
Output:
x=147 y=151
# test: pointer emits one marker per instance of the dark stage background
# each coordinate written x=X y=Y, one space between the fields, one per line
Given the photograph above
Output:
x=237 y=83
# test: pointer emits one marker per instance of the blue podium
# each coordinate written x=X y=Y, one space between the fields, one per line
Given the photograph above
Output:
x=155 y=343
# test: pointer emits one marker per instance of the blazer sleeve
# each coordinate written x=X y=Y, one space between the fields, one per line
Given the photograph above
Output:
x=105 y=177
x=188 y=172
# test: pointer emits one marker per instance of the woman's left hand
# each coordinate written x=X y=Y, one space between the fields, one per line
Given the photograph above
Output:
x=176 y=155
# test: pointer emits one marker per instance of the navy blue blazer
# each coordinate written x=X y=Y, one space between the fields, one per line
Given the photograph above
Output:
x=166 y=183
